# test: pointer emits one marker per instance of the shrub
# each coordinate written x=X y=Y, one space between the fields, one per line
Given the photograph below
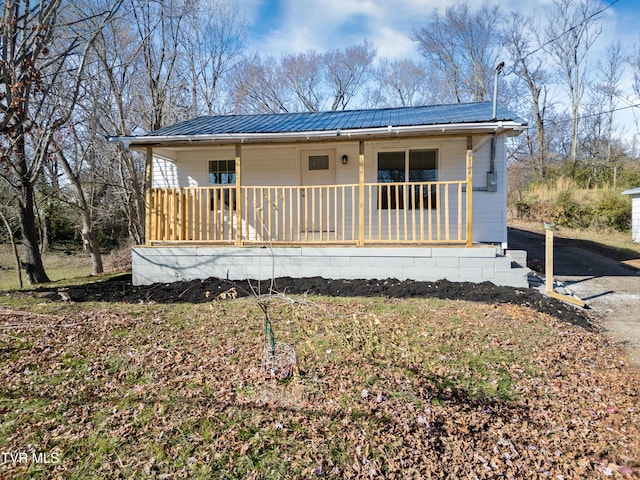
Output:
x=576 y=208
x=569 y=212
x=522 y=210
x=613 y=211
x=61 y=224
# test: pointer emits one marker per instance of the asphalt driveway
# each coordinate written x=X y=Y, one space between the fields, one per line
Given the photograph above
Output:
x=611 y=288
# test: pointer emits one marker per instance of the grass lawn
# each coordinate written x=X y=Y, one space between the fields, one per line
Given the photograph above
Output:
x=58 y=266
x=415 y=388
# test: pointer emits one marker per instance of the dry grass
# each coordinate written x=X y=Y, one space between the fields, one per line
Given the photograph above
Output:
x=384 y=389
x=58 y=266
x=545 y=193
x=61 y=267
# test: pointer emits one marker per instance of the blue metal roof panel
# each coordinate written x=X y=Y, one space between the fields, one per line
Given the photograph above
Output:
x=344 y=120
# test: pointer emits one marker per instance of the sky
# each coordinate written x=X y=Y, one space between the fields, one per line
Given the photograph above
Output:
x=278 y=26
x=293 y=26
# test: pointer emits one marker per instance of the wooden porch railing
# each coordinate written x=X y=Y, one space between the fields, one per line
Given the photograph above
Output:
x=394 y=213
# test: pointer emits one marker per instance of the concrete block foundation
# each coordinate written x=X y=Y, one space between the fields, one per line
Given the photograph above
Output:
x=476 y=264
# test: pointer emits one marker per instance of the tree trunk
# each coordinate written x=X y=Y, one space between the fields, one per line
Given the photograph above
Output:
x=33 y=266
x=45 y=222
x=575 y=118
x=14 y=249
x=91 y=244
x=540 y=132
x=89 y=241
x=137 y=203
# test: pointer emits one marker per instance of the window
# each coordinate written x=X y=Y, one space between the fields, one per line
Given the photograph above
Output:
x=222 y=172
x=411 y=166
x=318 y=162
x=391 y=169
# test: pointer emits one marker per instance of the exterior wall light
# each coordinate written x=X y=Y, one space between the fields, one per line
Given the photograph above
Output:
x=345 y=159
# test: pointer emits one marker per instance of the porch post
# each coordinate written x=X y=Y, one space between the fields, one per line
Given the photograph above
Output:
x=148 y=184
x=469 y=191
x=361 y=195
x=238 y=196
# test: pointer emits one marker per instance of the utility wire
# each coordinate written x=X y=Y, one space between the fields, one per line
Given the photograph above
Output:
x=570 y=29
x=581 y=117
x=595 y=14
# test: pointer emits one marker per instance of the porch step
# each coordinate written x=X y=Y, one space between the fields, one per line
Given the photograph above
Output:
x=518 y=272
x=518 y=256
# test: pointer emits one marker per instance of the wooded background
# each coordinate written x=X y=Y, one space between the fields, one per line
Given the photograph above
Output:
x=74 y=73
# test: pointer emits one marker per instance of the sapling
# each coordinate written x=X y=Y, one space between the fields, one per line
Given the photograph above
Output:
x=278 y=360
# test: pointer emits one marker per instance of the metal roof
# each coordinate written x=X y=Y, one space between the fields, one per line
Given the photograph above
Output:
x=281 y=123
x=632 y=191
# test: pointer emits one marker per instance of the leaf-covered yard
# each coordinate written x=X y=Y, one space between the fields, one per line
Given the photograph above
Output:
x=385 y=388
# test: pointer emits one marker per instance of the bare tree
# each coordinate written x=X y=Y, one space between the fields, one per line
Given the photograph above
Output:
x=519 y=36
x=159 y=26
x=211 y=47
x=597 y=127
x=114 y=99
x=404 y=83
x=258 y=87
x=301 y=82
x=42 y=45
x=303 y=74
x=611 y=70
x=7 y=215
x=569 y=35
x=74 y=151
x=347 y=72
x=634 y=62
x=463 y=47
x=136 y=86
x=25 y=37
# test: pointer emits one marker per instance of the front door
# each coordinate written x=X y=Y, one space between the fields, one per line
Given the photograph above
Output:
x=318 y=178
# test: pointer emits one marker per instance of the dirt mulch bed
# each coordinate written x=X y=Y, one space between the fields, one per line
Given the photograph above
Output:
x=121 y=289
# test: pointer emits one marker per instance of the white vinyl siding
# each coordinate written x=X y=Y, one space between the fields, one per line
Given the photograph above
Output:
x=165 y=173
x=635 y=217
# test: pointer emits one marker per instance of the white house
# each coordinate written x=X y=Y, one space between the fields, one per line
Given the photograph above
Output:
x=635 y=212
x=414 y=192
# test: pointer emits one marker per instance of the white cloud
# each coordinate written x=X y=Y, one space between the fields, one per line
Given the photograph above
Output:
x=394 y=44
x=326 y=24
x=250 y=9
